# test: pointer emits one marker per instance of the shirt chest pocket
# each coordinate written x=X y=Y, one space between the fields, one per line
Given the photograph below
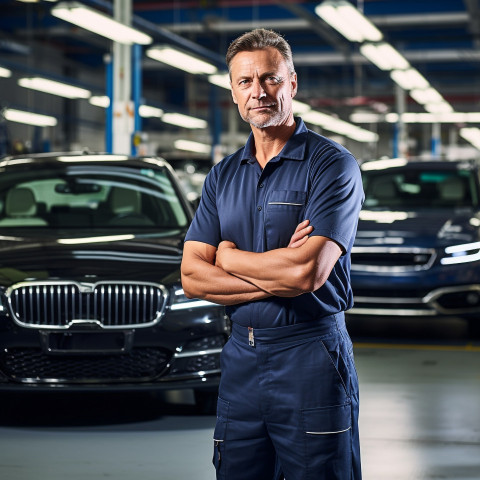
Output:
x=284 y=211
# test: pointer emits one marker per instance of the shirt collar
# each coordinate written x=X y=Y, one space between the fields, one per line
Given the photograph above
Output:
x=294 y=149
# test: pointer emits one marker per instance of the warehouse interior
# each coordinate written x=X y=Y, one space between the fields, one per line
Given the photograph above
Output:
x=438 y=39
x=419 y=378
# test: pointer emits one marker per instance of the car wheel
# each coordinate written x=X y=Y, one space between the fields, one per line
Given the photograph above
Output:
x=206 y=401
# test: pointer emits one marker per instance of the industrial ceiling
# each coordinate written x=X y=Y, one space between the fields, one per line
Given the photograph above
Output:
x=440 y=38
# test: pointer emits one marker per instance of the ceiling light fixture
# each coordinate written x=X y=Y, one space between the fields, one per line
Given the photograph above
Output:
x=53 y=87
x=409 y=79
x=472 y=135
x=365 y=117
x=440 y=107
x=5 y=72
x=99 y=23
x=300 y=107
x=220 y=80
x=347 y=20
x=179 y=59
x=427 y=95
x=29 y=118
x=100 y=101
x=341 y=127
x=384 y=56
x=146 y=111
x=184 y=120
x=191 y=146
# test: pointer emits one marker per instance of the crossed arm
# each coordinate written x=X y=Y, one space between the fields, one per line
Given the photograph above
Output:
x=227 y=275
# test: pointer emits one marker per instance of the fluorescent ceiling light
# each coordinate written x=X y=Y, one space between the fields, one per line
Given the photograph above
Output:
x=409 y=79
x=300 y=107
x=184 y=120
x=178 y=59
x=347 y=20
x=99 y=23
x=384 y=56
x=392 y=117
x=5 y=72
x=100 y=101
x=341 y=127
x=192 y=146
x=317 y=118
x=427 y=95
x=365 y=117
x=220 y=80
x=55 y=88
x=441 y=107
x=362 y=135
x=150 y=112
x=29 y=118
x=472 y=135
x=472 y=117
x=452 y=117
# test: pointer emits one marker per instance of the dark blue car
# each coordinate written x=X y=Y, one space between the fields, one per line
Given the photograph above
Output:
x=417 y=251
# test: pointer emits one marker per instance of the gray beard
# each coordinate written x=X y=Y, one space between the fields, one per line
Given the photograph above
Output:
x=272 y=121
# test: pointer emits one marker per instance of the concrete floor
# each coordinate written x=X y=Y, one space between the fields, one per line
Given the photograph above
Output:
x=420 y=419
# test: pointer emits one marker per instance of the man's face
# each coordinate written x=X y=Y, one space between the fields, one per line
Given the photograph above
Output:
x=262 y=87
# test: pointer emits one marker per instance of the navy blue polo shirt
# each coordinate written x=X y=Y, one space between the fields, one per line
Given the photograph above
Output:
x=312 y=178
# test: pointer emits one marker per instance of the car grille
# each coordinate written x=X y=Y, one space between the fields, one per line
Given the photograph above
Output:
x=109 y=305
x=391 y=259
x=33 y=366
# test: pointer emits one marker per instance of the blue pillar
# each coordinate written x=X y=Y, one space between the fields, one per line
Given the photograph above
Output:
x=109 y=110
x=136 y=94
x=436 y=140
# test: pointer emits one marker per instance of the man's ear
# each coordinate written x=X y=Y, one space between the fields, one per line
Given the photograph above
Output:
x=233 y=95
x=294 y=83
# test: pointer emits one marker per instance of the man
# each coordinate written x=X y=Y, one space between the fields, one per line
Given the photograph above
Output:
x=271 y=240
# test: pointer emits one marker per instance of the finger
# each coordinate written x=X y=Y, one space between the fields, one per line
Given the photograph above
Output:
x=302 y=225
x=302 y=235
x=298 y=243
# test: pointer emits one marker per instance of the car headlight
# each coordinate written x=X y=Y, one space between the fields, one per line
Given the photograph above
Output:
x=467 y=252
x=181 y=302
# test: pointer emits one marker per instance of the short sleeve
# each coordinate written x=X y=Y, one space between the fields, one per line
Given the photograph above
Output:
x=335 y=198
x=205 y=226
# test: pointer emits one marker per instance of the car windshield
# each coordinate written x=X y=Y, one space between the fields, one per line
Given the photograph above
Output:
x=397 y=188
x=86 y=197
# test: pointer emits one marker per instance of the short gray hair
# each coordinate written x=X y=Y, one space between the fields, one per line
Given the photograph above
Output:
x=260 y=39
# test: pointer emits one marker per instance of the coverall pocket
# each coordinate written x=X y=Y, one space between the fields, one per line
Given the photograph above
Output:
x=327 y=434
x=220 y=434
x=284 y=212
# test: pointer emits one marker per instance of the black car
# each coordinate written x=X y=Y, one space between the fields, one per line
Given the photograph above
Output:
x=90 y=292
x=417 y=250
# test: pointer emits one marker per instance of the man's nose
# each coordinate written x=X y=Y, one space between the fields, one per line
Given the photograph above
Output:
x=257 y=89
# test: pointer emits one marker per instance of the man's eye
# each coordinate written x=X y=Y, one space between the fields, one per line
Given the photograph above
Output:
x=274 y=80
x=243 y=82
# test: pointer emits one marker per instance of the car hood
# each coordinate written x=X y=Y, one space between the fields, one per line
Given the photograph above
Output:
x=421 y=228
x=86 y=258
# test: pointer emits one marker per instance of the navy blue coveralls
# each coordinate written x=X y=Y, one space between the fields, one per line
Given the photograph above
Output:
x=288 y=397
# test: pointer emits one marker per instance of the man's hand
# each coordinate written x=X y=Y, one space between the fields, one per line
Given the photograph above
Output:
x=300 y=236
x=222 y=249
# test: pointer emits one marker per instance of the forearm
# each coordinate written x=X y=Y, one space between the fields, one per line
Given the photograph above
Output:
x=285 y=272
x=202 y=280
x=276 y=272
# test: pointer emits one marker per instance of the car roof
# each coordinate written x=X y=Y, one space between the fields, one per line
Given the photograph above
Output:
x=420 y=163
x=83 y=158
